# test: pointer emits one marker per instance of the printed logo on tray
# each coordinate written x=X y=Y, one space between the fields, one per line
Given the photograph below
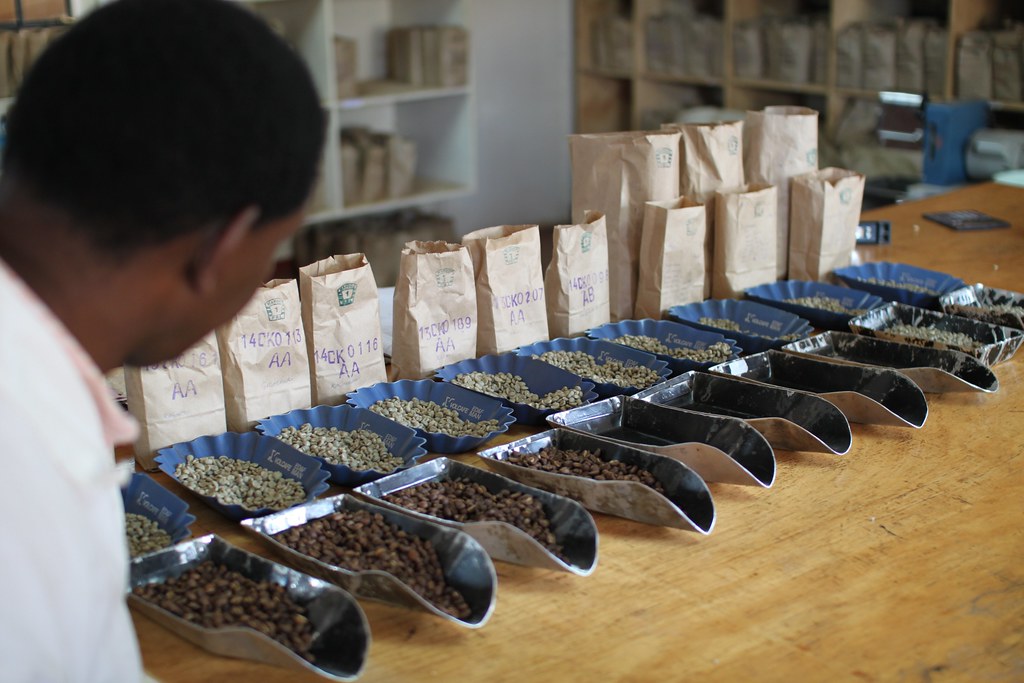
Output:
x=276 y=309
x=347 y=294
x=663 y=157
x=845 y=196
x=511 y=255
x=733 y=146
x=445 y=277
x=585 y=240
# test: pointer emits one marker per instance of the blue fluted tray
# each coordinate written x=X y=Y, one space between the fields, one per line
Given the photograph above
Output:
x=762 y=327
x=775 y=294
x=602 y=351
x=401 y=441
x=470 y=406
x=265 y=451
x=541 y=378
x=672 y=335
x=937 y=282
x=144 y=496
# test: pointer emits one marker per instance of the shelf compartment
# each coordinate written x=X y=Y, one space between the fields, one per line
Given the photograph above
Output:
x=383 y=92
x=424 y=191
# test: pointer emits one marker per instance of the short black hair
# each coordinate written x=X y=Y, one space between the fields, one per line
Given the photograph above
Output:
x=149 y=119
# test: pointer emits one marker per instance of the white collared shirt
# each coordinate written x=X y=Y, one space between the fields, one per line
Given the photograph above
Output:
x=63 y=615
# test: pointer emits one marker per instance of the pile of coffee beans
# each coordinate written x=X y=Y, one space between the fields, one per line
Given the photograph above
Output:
x=359 y=540
x=432 y=417
x=1007 y=315
x=514 y=388
x=733 y=326
x=213 y=596
x=901 y=285
x=716 y=353
x=585 y=463
x=144 y=534
x=462 y=500
x=358 y=449
x=611 y=371
x=932 y=334
x=824 y=303
x=239 y=482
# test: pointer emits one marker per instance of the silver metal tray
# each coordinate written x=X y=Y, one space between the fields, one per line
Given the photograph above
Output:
x=722 y=449
x=687 y=505
x=974 y=301
x=934 y=370
x=997 y=343
x=343 y=638
x=466 y=566
x=790 y=420
x=572 y=525
x=865 y=394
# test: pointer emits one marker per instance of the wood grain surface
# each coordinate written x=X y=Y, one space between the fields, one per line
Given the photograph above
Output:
x=900 y=561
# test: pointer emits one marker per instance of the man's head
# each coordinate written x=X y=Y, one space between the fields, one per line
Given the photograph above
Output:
x=154 y=123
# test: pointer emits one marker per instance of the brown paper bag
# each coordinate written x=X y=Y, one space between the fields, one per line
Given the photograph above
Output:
x=672 y=267
x=509 y=287
x=910 y=71
x=454 y=68
x=351 y=173
x=823 y=232
x=711 y=158
x=374 y=156
x=936 y=45
x=177 y=400
x=8 y=84
x=780 y=143
x=1006 y=64
x=576 y=281
x=263 y=352
x=616 y=173
x=745 y=234
x=790 y=50
x=974 y=66
x=345 y=67
x=435 y=319
x=850 y=56
x=401 y=166
x=879 y=56
x=341 y=320
x=747 y=48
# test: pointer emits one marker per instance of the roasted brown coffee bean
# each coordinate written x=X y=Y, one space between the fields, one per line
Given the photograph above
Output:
x=462 y=500
x=359 y=540
x=213 y=596
x=585 y=463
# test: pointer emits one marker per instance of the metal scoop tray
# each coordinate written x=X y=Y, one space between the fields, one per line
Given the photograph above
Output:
x=572 y=525
x=687 y=505
x=976 y=301
x=865 y=394
x=994 y=343
x=721 y=449
x=466 y=566
x=344 y=635
x=934 y=370
x=790 y=420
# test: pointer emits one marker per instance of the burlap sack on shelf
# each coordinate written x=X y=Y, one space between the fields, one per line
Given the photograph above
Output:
x=780 y=143
x=974 y=66
x=616 y=173
x=823 y=227
x=849 y=56
x=879 y=67
x=576 y=281
x=264 y=357
x=936 y=46
x=435 y=316
x=710 y=159
x=819 y=62
x=1006 y=64
x=790 y=50
x=341 y=320
x=511 y=310
x=177 y=400
x=910 y=55
x=748 y=49
x=672 y=268
x=745 y=234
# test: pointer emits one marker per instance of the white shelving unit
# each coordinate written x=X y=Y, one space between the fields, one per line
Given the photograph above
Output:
x=440 y=120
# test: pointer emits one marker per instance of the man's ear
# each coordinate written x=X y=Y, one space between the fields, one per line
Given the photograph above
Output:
x=215 y=252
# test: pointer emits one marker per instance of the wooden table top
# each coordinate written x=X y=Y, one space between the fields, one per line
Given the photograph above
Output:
x=899 y=561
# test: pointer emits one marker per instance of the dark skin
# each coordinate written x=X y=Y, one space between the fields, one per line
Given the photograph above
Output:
x=146 y=305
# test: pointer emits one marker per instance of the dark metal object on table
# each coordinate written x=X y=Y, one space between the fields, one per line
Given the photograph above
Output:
x=934 y=370
x=864 y=394
x=721 y=449
x=789 y=419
